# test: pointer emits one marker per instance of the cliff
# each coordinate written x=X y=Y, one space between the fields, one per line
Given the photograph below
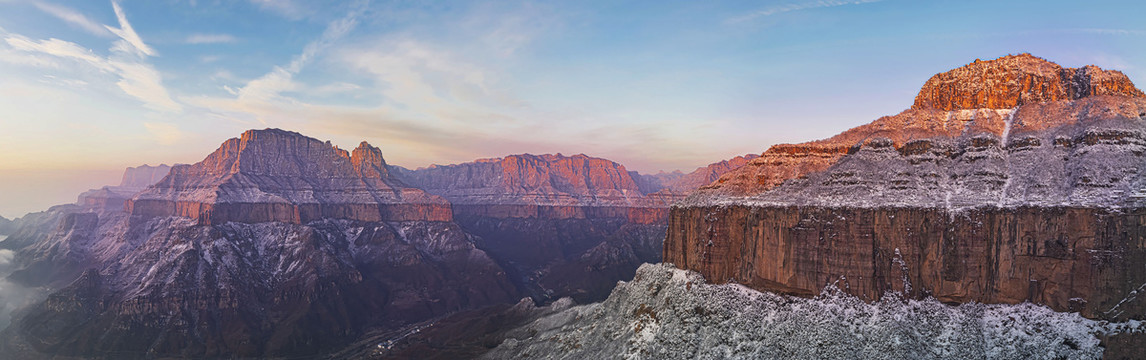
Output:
x=542 y=186
x=276 y=175
x=1034 y=193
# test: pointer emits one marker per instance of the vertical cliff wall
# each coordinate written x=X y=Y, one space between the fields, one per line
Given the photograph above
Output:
x=1087 y=260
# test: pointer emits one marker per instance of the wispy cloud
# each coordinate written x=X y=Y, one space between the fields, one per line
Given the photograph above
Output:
x=286 y=8
x=779 y=9
x=280 y=79
x=72 y=17
x=127 y=61
x=211 y=39
x=131 y=42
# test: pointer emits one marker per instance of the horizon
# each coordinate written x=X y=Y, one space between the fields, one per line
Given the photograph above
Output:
x=96 y=87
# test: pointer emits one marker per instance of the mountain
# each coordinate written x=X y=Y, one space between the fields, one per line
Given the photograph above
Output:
x=276 y=175
x=5 y=226
x=560 y=225
x=1009 y=180
x=135 y=179
x=679 y=182
x=275 y=245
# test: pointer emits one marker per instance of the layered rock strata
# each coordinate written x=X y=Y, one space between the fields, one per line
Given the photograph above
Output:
x=275 y=175
x=541 y=186
x=1035 y=196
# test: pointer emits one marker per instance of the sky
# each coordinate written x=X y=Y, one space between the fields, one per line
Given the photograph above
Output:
x=88 y=88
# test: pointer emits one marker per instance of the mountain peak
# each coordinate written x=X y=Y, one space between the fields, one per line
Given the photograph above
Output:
x=1015 y=80
x=368 y=162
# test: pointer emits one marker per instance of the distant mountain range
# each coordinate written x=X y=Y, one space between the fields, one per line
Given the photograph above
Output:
x=278 y=244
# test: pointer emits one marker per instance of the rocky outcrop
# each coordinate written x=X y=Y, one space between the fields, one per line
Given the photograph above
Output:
x=667 y=313
x=1035 y=196
x=281 y=176
x=1016 y=80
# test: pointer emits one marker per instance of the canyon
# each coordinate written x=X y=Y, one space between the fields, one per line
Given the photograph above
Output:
x=1010 y=189
x=278 y=244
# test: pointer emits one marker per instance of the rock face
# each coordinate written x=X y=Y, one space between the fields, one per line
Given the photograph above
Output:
x=1017 y=80
x=114 y=198
x=278 y=279
x=1036 y=196
x=541 y=186
x=276 y=175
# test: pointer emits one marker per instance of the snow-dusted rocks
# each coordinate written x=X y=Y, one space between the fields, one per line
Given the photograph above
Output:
x=667 y=313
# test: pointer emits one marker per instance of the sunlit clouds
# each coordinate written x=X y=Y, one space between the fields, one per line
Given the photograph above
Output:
x=102 y=85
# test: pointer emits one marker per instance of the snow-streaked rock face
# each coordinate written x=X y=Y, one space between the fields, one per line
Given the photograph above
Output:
x=276 y=175
x=167 y=286
x=667 y=313
x=956 y=152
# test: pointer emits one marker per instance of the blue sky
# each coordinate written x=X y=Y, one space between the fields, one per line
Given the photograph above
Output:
x=91 y=87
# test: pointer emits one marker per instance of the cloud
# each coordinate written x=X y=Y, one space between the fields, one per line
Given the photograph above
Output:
x=131 y=42
x=145 y=83
x=211 y=39
x=164 y=133
x=137 y=78
x=779 y=9
x=286 y=8
x=337 y=88
x=72 y=17
x=58 y=48
x=267 y=88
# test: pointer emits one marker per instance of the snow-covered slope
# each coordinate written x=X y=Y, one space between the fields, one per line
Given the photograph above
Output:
x=667 y=313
